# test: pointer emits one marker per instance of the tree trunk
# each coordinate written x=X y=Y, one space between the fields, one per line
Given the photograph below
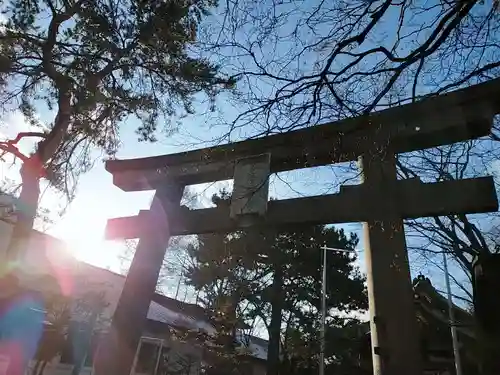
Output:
x=26 y=210
x=273 y=348
x=31 y=172
x=19 y=240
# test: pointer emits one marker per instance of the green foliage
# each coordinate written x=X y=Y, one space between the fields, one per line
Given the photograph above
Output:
x=244 y=262
x=97 y=62
x=58 y=315
x=60 y=310
x=222 y=354
x=235 y=272
x=344 y=343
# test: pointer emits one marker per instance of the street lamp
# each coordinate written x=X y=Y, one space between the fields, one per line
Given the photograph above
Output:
x=323 y=306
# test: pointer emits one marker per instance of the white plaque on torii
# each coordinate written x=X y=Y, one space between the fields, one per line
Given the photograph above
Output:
x=251 y=186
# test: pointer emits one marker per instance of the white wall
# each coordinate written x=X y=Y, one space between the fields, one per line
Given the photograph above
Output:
x=49 y=266
x=46 y=254
x=48 y=257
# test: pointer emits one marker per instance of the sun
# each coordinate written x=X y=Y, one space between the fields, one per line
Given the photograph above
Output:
x=96 y=251
x=84 y=222
x=83 y=232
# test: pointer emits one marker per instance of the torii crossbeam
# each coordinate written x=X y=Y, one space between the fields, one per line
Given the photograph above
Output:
x=381 y=202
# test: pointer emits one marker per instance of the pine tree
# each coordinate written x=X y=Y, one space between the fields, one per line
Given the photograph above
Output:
x=275 y=275
x=94 y=63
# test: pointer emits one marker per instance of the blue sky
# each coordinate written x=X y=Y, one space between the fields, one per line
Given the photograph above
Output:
x=98 y=199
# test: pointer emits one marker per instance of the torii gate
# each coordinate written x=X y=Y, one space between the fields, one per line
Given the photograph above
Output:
x=381 y=202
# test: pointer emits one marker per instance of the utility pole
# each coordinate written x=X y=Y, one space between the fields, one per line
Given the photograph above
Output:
x=451 y=315
x=323 y=316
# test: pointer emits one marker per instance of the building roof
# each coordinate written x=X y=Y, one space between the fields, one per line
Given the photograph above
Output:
x=162 y=309
x=256 y=345
x=433 y=303
x=175 y=313
x=178 y=317
x=178 y=314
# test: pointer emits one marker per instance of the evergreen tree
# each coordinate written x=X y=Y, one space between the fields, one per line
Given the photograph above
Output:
x=275 y=275
x=94 y=63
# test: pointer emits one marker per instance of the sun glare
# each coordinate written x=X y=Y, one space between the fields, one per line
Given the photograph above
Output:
x=84 y=223
x=84 y=235
x=96 y=251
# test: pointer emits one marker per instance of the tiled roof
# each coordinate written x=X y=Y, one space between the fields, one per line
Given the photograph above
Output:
x=171 y=317
x=256 y=346
x=431 y=301
x=179 y=314
x=192 y=310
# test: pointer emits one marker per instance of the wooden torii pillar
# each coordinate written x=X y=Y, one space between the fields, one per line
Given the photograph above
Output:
x=381 y=202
